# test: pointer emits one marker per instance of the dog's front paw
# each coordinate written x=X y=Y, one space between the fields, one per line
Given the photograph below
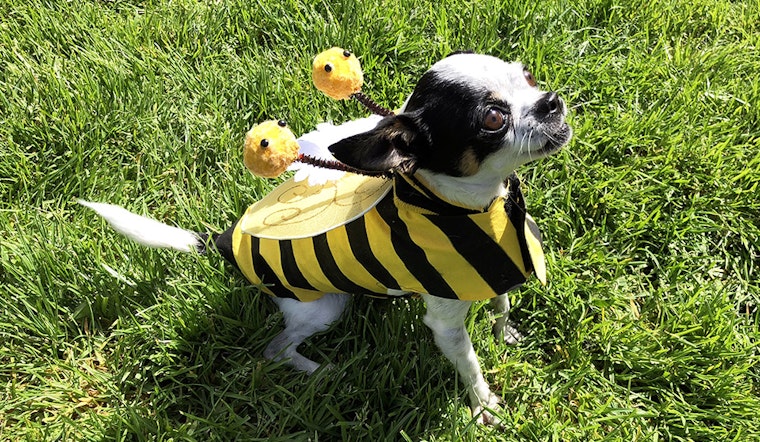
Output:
x=504 y=332
x=487 y=413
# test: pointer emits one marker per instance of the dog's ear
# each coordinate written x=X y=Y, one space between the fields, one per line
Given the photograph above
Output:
x=465 y=51
x=394 y=144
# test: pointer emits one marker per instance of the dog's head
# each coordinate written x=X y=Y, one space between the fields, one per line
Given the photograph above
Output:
x=469 y=115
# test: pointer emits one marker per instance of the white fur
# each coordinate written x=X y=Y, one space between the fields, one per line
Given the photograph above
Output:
x=502 y=329
x=145 y=231
x=303 y=319
x=445 y=317
x=475 y=191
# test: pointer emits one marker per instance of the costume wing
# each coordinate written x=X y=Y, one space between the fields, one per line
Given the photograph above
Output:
x=296 y=209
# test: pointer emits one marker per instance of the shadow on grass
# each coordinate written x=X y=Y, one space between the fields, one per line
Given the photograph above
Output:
x=191 y=366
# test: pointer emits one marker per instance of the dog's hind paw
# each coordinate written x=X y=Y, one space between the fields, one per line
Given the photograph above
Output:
x=504 y=332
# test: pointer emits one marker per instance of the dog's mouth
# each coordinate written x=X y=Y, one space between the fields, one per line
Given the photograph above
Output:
x=555 y=139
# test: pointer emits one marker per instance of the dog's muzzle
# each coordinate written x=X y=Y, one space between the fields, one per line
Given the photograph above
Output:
x=550 y=112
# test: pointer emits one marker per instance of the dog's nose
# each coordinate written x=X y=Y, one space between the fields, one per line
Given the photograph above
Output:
x=549 y=104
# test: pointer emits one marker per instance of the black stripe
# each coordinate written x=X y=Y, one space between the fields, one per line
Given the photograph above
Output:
x=223 y=244
x=427 y=200
x=331 y=270
x=262 y=269
x=290 y=269
x=514 y=205
x=484 y=254
x=408 y=194
x=520 y=228
x=357 y=239
x=203 y=237
x=411 y=254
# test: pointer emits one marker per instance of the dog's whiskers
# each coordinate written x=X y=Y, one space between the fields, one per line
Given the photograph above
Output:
x=523 y=143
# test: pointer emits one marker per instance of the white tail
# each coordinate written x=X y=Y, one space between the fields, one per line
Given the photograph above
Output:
x=143 y=230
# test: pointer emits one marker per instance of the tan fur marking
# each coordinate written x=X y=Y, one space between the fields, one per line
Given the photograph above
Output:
x=468 y=162
x=496 y=97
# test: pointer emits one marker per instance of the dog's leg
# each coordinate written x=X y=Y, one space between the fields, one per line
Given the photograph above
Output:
x=303 y=319
x=502 y=329
x=446 y=318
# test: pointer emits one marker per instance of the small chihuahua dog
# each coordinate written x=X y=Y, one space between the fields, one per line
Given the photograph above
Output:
x=453 y=227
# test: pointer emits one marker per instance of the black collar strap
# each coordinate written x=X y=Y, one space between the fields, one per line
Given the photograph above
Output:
x=410 y=190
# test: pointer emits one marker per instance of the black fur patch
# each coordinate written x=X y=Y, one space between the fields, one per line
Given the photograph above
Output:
x=452 y=114
x=392 y=145
x=466 y=51
x=202 y=246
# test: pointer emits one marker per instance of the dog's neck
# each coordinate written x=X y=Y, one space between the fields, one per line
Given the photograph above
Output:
x=472 y=192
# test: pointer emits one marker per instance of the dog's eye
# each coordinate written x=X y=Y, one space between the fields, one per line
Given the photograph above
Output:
x=494 y=120
x=529 y=78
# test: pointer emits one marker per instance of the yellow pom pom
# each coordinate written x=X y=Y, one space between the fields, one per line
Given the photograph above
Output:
x=270 y=148
x=337 y=73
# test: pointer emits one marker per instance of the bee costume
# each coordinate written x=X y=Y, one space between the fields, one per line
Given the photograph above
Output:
x=409 y=239
x=358 y=234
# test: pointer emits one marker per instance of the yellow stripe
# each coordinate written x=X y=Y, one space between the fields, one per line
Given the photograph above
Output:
x=270 y=251
x=337 y=239
x=458 y=273
x=535 y=249
x=497 y=225
x=308 y=265
x=241 y=249
x=379 y=238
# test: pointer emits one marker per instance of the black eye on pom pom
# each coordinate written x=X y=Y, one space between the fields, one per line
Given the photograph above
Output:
x=328 y=67
x=346 y=54
x=282 y=123
x=264 y=143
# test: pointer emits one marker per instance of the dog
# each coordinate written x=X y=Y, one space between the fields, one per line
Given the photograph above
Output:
x=452 y=150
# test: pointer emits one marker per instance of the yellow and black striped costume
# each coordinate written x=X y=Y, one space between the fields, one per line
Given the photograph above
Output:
x=412 y=241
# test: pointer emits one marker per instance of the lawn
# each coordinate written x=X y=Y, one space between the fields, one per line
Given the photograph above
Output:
x=648 y=329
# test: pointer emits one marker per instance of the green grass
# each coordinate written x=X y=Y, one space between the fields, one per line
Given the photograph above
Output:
x=647 y=331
